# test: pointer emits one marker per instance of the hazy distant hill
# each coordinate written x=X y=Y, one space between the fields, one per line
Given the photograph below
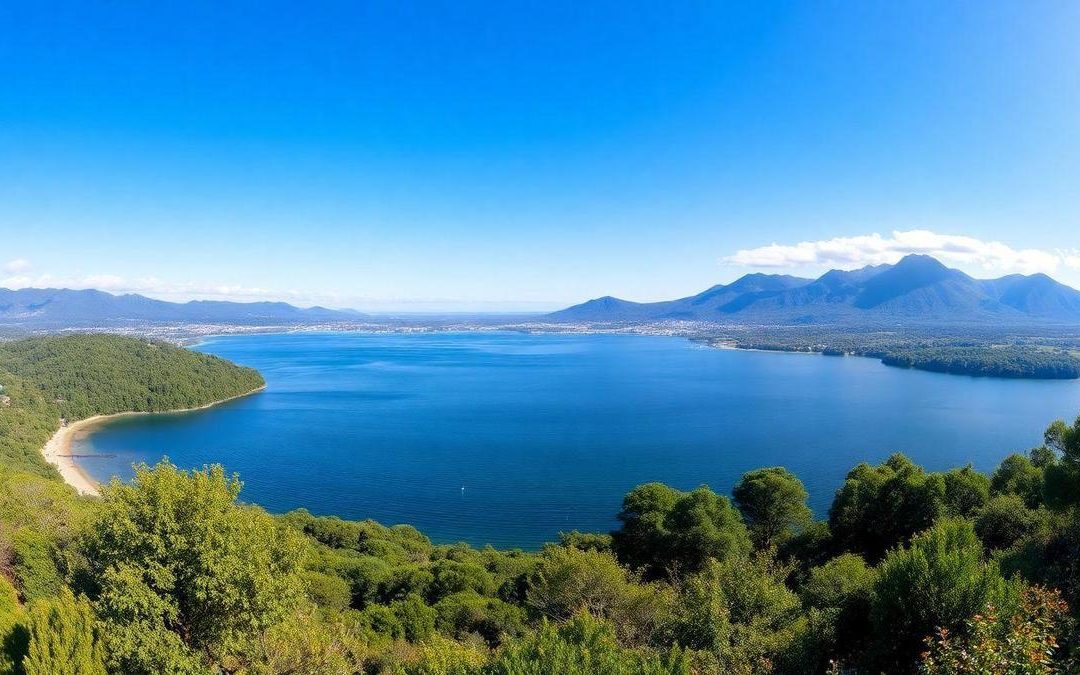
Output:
x=51 y=307
x=918 y=288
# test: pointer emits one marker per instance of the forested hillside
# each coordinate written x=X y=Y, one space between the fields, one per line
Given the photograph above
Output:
x=912 y=571
x=78 y=376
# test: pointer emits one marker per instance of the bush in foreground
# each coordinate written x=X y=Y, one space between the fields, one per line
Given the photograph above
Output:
x=181 y=574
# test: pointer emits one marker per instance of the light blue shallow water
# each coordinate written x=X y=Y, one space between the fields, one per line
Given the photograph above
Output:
x=547 y=432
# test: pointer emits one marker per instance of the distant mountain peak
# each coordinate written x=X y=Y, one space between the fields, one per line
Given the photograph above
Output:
x=770 y=282
x=916 y=288
x=912 y=259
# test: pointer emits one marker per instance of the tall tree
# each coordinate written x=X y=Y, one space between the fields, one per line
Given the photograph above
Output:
x=1062 y=482
x=773 y=503
x=881 y=506
x=665 y=531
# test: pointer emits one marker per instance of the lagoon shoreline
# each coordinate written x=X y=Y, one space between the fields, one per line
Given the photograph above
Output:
x=57 y=450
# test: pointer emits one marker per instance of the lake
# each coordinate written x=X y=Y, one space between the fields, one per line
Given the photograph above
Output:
x=509 y=438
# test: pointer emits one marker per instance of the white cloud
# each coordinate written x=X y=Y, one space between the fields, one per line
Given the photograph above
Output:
x=874 y=249
x=1071 y=258
x=17 y=266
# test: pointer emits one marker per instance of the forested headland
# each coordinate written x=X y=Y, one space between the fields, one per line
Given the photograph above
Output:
x=912 y=571
x=985 y=352
x=72 y=377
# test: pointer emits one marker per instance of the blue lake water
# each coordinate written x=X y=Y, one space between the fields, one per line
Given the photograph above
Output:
x=507 y=438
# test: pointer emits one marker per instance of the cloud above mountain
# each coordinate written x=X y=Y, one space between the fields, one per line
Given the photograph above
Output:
x=17 y=266
x=875 y=249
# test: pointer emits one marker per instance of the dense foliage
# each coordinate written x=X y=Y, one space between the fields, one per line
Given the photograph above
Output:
x=914 y=571
x=180 y=573
x=78 y=376
x=101 y=374
x=990 y=361
x=993 y=352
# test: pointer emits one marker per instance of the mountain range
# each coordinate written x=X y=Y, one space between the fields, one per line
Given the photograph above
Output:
x=918 y=288
x=61 y=307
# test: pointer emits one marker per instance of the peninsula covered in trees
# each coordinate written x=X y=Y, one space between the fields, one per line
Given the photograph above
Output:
x=912 y=571
x=1047 y=353
x=71 y=377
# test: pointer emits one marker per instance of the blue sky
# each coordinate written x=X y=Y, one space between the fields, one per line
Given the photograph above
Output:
x=525 y=155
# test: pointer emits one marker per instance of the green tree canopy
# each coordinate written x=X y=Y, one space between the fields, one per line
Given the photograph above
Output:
x=77 y=376
x=773 y=503
x=738 y=610
x=182 y=574
x=13 y=632
x=1062 y=481
x=966 y=491
x=881 y=506
x=837 y=596
x=98 y=374
x=1005 y=520
x=665 y=530
x=1018 y=475
x=569 y=580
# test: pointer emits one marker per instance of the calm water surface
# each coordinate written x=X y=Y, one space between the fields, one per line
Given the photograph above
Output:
x=507 y=438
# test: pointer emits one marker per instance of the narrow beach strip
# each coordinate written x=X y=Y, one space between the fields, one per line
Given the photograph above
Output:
x=57 y=450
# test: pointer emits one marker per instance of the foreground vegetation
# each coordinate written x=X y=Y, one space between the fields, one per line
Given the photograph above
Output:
x=913 y=571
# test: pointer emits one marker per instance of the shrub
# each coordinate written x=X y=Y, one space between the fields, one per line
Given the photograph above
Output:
x=450 y=576
x=837 y=595
x=582 y=646
x=740 y=610
x=569 y=581
x=1005 y=520
x=182 y=573
x=381 y=621
x=35 y=565
x=13 y=631
x=966 y=491
x=64 y=638
x=586 y=541
x=937 y=582
x=1023 y=644
x=417 y=619
x=367 y=577
x=327 y=590
x=465 y=613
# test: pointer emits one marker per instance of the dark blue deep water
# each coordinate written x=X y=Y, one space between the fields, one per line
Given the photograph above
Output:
x=507 y=439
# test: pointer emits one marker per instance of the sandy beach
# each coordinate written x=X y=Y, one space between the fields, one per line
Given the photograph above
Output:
x=57 y=450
